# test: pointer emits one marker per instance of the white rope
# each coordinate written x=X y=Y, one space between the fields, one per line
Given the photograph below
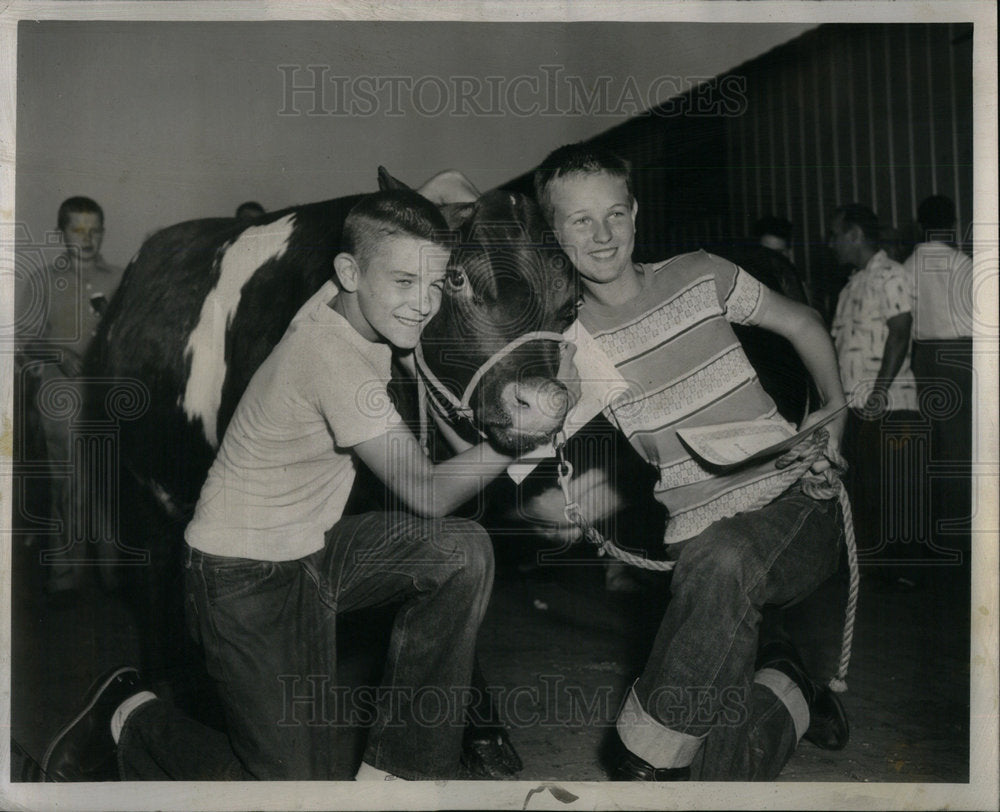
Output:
x=825 y=485
x=819 y=491
x=425 y=375
x=503 y=352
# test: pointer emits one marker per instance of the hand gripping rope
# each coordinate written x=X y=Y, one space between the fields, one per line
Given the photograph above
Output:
x=825 y=485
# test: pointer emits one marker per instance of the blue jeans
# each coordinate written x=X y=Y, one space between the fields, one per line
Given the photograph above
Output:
x=697 y=702
x=269 y=634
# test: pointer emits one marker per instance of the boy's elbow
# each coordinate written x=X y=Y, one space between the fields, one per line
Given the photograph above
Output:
x=806 y=321
x=429 y=505
x=810 y=316
x=786 y=317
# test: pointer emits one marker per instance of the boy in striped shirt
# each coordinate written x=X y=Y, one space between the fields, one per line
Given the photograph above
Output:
x=708 y=704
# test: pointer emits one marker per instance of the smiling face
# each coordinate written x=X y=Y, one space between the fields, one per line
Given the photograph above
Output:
x=396 y=288
x=593 y=215
x=84 y=232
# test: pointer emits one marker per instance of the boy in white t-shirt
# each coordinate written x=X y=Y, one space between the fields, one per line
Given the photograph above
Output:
x=271 y=561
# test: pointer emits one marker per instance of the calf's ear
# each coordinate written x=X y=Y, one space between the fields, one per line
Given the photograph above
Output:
x=387 y=182
x=457 y=215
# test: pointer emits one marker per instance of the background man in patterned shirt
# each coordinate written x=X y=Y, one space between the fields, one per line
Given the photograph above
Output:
x=871 y=330
x=710 y=704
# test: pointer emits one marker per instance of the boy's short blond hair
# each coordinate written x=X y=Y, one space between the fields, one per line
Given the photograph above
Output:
x=578 y=158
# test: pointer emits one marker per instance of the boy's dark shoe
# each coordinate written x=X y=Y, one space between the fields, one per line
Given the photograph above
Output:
x=627 y=766
x=487 y=753
x=84 y=749
x=828 y=725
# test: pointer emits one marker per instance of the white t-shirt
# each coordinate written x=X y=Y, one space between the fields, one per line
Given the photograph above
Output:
x=285 y=470
x=942 y=290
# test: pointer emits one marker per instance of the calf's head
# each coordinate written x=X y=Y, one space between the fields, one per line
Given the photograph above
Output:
x=507 y=278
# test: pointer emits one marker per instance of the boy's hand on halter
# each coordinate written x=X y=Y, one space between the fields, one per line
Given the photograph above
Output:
x=591 y=490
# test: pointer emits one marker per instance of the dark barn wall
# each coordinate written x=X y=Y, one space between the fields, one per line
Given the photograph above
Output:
x=163 y=121
x=875 y=114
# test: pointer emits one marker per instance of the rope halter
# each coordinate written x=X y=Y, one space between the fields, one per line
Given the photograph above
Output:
x=462 y=407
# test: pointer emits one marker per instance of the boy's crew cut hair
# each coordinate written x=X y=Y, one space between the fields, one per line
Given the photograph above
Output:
x=398 y=212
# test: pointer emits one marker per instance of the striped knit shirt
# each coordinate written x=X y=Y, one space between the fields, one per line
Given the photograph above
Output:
x=685 y=367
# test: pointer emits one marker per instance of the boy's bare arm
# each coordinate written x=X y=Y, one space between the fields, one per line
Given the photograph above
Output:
x=453 y=438
x=805 y=330
x=896 y=345
x=427 y=489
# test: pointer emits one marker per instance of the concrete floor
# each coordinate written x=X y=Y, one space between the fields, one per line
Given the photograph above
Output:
x=570 y=649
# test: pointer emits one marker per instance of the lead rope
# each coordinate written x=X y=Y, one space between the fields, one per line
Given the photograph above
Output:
x=825 y=485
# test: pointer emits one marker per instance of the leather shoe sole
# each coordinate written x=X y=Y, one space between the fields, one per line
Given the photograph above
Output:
x=629 y=767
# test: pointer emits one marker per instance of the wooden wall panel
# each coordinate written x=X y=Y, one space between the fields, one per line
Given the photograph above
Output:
x=875 y=114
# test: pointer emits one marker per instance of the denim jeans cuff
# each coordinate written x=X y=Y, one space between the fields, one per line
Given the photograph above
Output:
x=791 y=697
x=125 y=736
x=652 y=741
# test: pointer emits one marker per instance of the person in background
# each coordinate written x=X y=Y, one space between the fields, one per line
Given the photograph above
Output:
x=896 y=242
x=65 y=307
x=249 y=211
x=871 y=331
x=941 y=279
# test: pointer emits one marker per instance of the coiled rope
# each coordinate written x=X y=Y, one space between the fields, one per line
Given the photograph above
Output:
x=821 y=486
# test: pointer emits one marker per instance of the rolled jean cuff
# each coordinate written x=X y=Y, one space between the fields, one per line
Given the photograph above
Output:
x=791 y=697
x=652 y=741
